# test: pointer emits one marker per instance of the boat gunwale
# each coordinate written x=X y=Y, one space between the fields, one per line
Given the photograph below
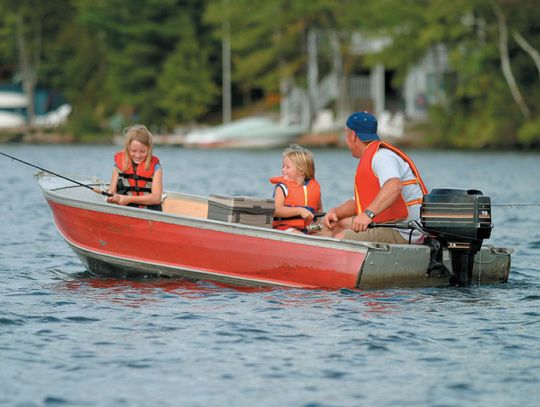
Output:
x=209 y=224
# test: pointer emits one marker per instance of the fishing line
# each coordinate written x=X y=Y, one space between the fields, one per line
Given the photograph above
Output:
x=98 y=191
x=516 y=204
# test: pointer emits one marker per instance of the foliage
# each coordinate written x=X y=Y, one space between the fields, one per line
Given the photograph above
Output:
x=529 y=133
x=477 y=109
x=186 y=86
x=159 y=61
x=268 y=38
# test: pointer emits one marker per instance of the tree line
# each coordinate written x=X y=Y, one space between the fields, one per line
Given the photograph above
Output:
x=160 y=61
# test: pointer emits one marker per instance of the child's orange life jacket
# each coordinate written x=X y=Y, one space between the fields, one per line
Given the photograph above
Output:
x=296 y=195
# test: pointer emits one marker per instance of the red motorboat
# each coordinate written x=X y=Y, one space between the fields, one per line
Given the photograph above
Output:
x=184 y=241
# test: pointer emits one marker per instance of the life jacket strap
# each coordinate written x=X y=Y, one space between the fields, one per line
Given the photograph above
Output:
x=410 y=182
x=136 y=189
x=413 y=202
x=414 y=181
x=309 y=208
x=135 y=177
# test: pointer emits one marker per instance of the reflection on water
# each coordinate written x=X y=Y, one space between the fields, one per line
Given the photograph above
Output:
x=137 y=292
x=141 y=290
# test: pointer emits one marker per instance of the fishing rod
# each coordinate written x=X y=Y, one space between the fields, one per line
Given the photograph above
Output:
x=315 y=216
x=96 y=190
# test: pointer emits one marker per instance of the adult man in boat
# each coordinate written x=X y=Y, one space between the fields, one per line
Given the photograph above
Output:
x=387 y=188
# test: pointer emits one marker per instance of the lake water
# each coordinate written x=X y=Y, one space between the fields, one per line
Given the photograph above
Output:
x=67 y=338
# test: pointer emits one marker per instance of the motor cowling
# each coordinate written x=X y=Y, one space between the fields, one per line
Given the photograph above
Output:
x=460 y=220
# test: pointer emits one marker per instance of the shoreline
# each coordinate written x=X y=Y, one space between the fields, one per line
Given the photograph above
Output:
x=412 y=139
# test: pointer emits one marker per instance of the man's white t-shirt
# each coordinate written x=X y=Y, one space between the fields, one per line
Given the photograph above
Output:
x=386 y=164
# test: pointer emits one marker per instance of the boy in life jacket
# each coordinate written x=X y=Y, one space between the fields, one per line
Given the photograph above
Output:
x=137 y=177
x=297 y=194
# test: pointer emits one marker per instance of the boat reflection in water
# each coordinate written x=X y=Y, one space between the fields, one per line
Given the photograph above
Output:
x=139 y=292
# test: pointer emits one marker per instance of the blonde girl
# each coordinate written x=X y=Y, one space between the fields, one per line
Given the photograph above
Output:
x=297 y=194
x=137 y=177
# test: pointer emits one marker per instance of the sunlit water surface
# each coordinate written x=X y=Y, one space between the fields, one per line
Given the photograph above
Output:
x=67 y=338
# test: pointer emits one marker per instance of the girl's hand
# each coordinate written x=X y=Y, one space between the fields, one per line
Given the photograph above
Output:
x=123 y=200
x=119 y=199
x=306 y=214
x=113 y=199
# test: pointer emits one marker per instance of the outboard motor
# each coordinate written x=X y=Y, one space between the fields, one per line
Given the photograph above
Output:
x=460 y=220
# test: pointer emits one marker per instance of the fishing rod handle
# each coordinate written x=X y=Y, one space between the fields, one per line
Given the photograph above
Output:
x=102 y=192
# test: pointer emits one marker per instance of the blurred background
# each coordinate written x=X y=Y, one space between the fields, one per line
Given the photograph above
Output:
x=255 y=73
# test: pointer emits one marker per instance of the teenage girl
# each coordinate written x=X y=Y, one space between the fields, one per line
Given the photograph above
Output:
x=297 y=194
x=137 y=177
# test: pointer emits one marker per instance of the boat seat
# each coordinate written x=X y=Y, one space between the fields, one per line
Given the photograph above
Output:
x=185 y=206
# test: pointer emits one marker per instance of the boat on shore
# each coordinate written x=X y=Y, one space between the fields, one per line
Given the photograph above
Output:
x=188 y=240
x=12 y=105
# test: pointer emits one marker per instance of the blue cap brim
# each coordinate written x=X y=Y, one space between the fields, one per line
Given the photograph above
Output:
x=367 y=136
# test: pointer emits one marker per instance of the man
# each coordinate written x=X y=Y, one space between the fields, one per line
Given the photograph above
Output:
x=387 y=188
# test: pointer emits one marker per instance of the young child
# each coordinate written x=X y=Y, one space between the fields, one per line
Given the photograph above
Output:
x=297 y=194
x=137 y=177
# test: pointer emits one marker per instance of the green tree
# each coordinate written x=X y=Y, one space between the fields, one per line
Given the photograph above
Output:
x=26 y=25
x=75 y=65
x=269 y=39
x=185 y=84
x=139 y=36
x=479 y=107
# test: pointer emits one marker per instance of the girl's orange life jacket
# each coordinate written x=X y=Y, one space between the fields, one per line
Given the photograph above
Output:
x=307 y=196
x=366 y=185
x=137 y=182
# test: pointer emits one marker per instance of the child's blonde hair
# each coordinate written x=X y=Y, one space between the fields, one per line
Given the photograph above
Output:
x=302 y=159
x=139 y=133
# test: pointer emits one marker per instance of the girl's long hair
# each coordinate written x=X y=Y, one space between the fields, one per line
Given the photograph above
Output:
x=139 y=133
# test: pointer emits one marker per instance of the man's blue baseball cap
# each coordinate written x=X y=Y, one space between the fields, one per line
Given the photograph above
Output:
x=364 y=126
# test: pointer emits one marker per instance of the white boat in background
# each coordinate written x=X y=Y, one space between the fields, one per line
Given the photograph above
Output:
x=253 y=132
x=54 y=118
x=10 y=120
x=12 y=101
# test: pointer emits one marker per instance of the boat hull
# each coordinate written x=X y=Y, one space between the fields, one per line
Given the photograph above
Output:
x=147 y=246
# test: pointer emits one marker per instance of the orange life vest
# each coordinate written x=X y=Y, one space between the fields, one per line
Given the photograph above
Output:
x=138 y=182
x=307 y=196
x=366 y=185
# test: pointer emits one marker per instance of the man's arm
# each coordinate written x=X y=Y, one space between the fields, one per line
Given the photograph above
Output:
x=388 y=194
x=333 y=216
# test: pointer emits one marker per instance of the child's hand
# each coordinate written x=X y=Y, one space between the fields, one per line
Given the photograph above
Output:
x=119 y=199
x=113 y=199
x=123 y=200
x=306 y=214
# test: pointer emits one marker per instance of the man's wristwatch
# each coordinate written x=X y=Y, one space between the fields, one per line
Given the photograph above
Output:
x=369 y=213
